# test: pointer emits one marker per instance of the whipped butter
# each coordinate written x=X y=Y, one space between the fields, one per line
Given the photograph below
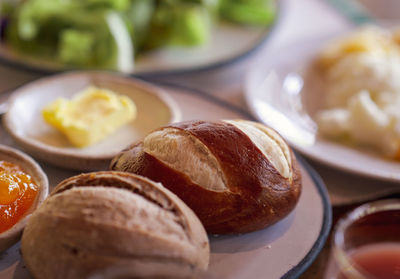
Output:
x=90 y=116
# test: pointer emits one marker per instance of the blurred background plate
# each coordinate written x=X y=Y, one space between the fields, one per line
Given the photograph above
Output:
x=280 y=93
x=228 y=43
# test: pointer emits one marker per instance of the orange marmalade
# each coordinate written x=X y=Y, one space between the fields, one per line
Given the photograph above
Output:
x=18 y=192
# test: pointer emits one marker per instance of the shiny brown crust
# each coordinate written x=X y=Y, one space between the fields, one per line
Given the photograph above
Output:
x=258 y=194
x=98 y=224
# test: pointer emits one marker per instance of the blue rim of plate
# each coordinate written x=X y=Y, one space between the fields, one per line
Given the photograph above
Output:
x=158 y=73
x=318 y=245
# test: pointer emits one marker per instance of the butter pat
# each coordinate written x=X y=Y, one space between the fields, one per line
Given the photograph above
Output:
x=90 y=116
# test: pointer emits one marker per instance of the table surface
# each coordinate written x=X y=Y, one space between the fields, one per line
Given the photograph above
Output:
x=299 y=20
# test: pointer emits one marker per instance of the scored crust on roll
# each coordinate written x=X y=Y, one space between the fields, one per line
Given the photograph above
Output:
x=195 y=161
x=114 y=223
x=237 y=176
x=269 y=143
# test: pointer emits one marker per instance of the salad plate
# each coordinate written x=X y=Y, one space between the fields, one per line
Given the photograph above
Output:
x=295 y=241
x=281 y=92
x=24 y=121
x=226 y=43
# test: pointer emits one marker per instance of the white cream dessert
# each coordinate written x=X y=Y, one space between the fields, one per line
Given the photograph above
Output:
x=362 y=104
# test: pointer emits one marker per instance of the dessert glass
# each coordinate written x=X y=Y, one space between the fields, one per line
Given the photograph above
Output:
x=366 y=243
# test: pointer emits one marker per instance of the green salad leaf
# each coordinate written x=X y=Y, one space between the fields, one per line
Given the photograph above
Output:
x=184 y=24
x=258 y=12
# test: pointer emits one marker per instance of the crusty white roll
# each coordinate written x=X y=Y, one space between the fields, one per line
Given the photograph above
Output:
x=238 y=176
x=114 y=225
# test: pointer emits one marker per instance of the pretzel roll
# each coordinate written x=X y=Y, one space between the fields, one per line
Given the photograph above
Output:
x=238 y=176
x=114 y=225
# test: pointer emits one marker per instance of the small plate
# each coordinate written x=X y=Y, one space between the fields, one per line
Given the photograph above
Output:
x=25 y=123
x=9 y=154
x=281 y=93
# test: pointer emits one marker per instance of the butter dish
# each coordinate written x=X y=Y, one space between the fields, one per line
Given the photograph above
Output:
x=26 y=125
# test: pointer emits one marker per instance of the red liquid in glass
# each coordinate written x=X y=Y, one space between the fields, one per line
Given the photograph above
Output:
x=378 y=261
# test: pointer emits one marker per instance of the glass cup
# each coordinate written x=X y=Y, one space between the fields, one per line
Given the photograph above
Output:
x=366 y=243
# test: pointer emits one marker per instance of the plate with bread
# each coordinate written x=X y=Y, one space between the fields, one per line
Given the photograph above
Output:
x=335 y=99
x=204 y=198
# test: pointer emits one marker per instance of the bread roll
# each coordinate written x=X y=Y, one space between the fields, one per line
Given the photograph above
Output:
x=114 y=225
x=237 y=176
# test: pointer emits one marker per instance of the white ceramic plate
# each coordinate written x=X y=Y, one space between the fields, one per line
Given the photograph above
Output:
x=25 y=123
x=284 y=250
x=228 y=43
x=279 y=93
